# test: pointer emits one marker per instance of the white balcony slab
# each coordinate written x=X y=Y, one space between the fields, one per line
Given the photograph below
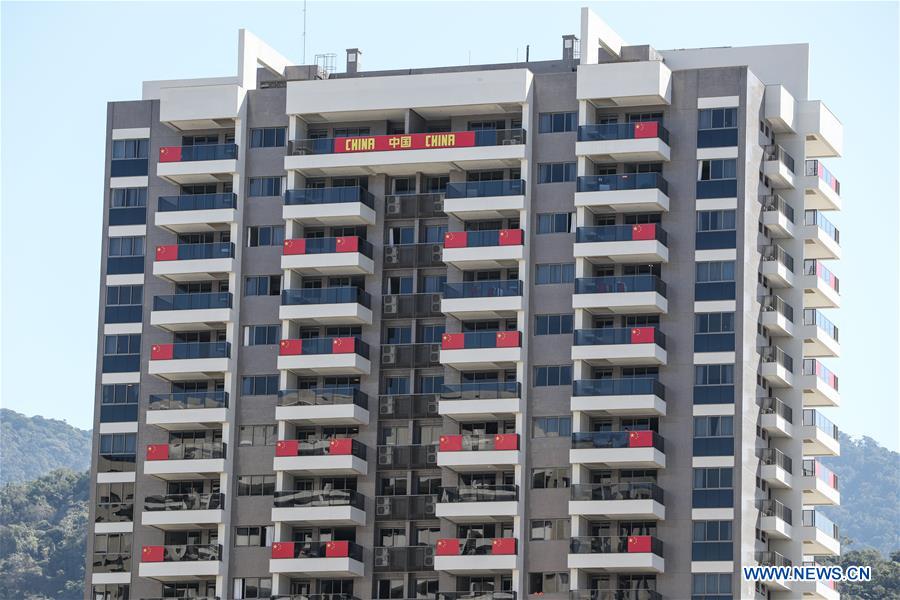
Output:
x=194 y=468
x=817 y=393
x=193 y=270
x=196 y=171
x=818 y=194
x=818 y=543
x=186 y=418
x=618 y=562
x=322 y=465
x=341 y=313
x=818 y=443
x=629 y=251
x=641 y=83
x=481 y=358
x=776 y=323
x=317 y=567
x=479 y=460
x=776 y=425
x=475 y=564
x=186 y=221
x=624 y=405
x=776 y=374
x=621 y=354
x=484 y=257
x=326 y=364
x=817 y=343
x=189 y=368
x=180 y=571
x=335 y=213
x=775 y=527
x=476 y=512
x=491 y=307
x=644 y=509
x=622 y=303
x=776 y=476
x=817 y=492
x=345 y=516
x=624 y=201
x=628 y=150
x=191 y=320
x=481 y=408
x=778 y=224
x=619 y=458
x=817 y=243
x=325 y=414
x=487 y=207
x=817 y=293
x=779 y=175
x=777 y=273
x=182 y=519
x=332 y=263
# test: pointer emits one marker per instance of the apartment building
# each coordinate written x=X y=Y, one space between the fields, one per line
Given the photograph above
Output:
x=555 y=327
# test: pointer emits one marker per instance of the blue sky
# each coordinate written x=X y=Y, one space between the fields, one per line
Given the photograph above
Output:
x=61 y=63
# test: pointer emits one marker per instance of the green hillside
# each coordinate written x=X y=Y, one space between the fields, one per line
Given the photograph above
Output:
x=33 y=446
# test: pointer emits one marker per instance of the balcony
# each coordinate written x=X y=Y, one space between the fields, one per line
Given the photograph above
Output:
x=194 y=459
x=317 y=559
x=821 y=189
x=819 y=384
x=189 y=213
x=482 y=299
x=408 y=256
x=624 y=142
x=473 y=556
x=777 y=316
x=191 y=312
x=818 y=589
x=618 y=450
x=492 y=249
x=770 y=558
x=820 y=336
x=820 y=536
x=416 y=456
x=190 y=360
x=410 y=356
x=824 y=133
x=480 y=400
x=183 y=511
x=194 y=262
x=481 y=349
x=617 y=594
x=408 y=406
x=405 y=508
x=776 y=468
x=330 y=206
x=323 y=506
x=821 y=239
x=463 y=453
x=779 y=109
x=776 y=367
x=409 y=559
x=473 y=200
x=628 y=192
x=188 y=410
x=777 y=266
x=821 y=287
x=312 y=356
x=348 y=305
x=336 y=456
x=646 y=243
x=181 y=563
x=407 y=154
x=819 y=484
x=620 y=346
x=414 y=206
x=775 y=519
x=348 y=255
x=641 y=83
x=776 y=417
x=626 y=294
x=820 y=436
x=778 y=216
x=618 y=501
x=617 y=554
x=209 y=163
x=325 y=406
x=478 y=504
x=411 y=306
x=778 y=166
x=629 y=396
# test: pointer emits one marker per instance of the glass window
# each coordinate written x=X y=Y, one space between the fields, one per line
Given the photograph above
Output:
x=125 y=149
x=546 y=376
x=552 y=426
x=256 y=485
x=556 y=172
x=548 y=274
x=556 y=223
x=724 y=168
x=263 y=285
x=715 y=220
x=261 y=335
x=721 y=270
x=714 y=322
x=126 y=197
x=718 y=118
x=268 y=137
x=553 y=477
x=259 y=385
x=553 y=324
x=265 y=235
x=265 y=186
x=713 y=374
x=557 y=122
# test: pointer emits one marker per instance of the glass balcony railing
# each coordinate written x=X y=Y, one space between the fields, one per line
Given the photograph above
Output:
x=815 y=267
x=409 y=141
x=617 y=594
x=812 y=366
x=188 y=552
x=114 y=512
x=202 y=301
x=774 y=354
x=622 y=131
x=774 y=508
x=815 y=468
x=813 y=418
x=480 y=340
x=813 y=518
x=328 y=447
x=330 y=295
x=478 y=442
x=775 y=203
x=774 y=406
x=405 y=507
x=777 y=458
x=186 y=202
x=476 y=546
x=111 y=562
x=317 y=549
x=775 y=303
x=590 y=440
x=615 y=544
x=481 y=390
x=195 y=251
x=485 y=189
x=311 y=498
x=621 y=233
x=330 y=245
x=778 y=254
x=625 y=386
x=812 y=316
x=616 y=491
x=484 y=239
x=325 y=345
x=475 y=596
x=314 y=597
x=620 y=284
x=817 y=218
x=479 y=493
x=483 y=289
x=173 y=502
x=192 y=450
x=619 y=335
x=329 y=195
x=188 y=400
x=778 y=153
x=625 y=181
x=770 y=558
x=192 y=350
x=815 y=168
x=198 y=152
x=323 y=397
x=403 y=559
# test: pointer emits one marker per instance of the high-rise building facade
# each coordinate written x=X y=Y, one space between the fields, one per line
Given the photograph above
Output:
x=549 y=327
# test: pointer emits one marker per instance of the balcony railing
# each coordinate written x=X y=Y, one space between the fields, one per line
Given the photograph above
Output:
x=408 y=141
x=114 y=512
x=815 y=468
x=325 y=345
x=424 y=205
x=813 y=367
x=817 y=218
x=314 y=597
x=813 y=518
x=774 y=406
x=186 y=450
x=774 y=508
x=324 y=447
x=616 y=544
x=323 y=397
x=333 y=549
x=777 y=253
x=592 y=440
x=393 y=559
x=777 y=304
x=770 y=558
x=481 y=390
x=814 y=168
x=484 y=239
x=483 y=289
x=625 y=386
x=310 y=498
x=201 y=301
x=778 y=153
x=172 y=502
x=196 y=202
x=622 y=131
x=111 y=562
x=621 y=233
x=332 y=245
x=481 y=339
x=812 y=417
x=774 y=354
x=405 y=508
x=627 y=181
x=182 y=553
x=188 y=400
x=774 y=202
x=195 y=251
x=475 y=547
x=329 y=195
x=480 y=493
x=475 y=596
x=621 y=284
x=617 y=491
x=620 y=594
x=199 y=152
x=331 y=295
x=775 y=457
x=413 y=456
x=478 y=443
x=190 y=350
x=619 y=335
x=812 y=316
x=408 y=406
x=815 y=267
x=485 y=189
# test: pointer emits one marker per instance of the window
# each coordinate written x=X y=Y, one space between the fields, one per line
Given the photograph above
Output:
x=713 y=487
x=548 y=583
x=127 y=197
x=118 y=402
x=257 y=536
x=433 y=284
x=256 y=485
x=553 y=324
x=398 y=335
x=431 y=334
x=555 y=223
x=114 y=345
x=551 y=426
x=546 y=376
x=431 y=384
x=551 y=478
x=550 y=529
x=557 y=122
x=125 y=295
x=123 y=149
x=111 y=547
x=550 y=273
x=126 y=246
x=252 y=587
x=711 y=586
x=258 y=435
x=712 y=541
x=398 y=285
x=714 y=375
x=718 y=118
x=723 y=168
x=556 y=172
x=261 y=335
x=117 y=443
x=263 y=285
x=259 y=385
x=720 y=270
x=265 y=186
x=387 y=589
x=714 y=426
x=350 y=131
x=110 y=592
x=714 y=323
x=715 y=220
x=267 y=137
x=265 y=235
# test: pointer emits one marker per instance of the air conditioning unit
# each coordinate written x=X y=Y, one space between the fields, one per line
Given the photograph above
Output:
x=388 y=355
x=430 y=507
x=382 y=557
x=436 y=304
x=428 y=560
x=383 y=507
x=432 y=407
x=438 y=206
x=385 y=455
x=437 y=254
x=386 y=406
x=391 y=255
x=431 y=455
x=392 y=206
x=434 y=357
x=390 y=305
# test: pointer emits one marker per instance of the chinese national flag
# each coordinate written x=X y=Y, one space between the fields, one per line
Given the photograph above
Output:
x=162 y=351
x=170 y=154
x=348 y=243
x=642 y=335
x=453 y=341
x=447 y=547
x=506 y=441
x=152 y=553
x=455 y=239
x=639 y=543
x=508 y=339
x=340 y=447
x=290 y=347
x=646 y=129
x=510 y=237
x=450 y=443
x=295 y=246
x=644 y=231
x=344 y=345
x=503 y=546
x=640 y=439
x=169 y=252
x=287 y=447
x=337 y=549
x=282 y=549
x=158 y=452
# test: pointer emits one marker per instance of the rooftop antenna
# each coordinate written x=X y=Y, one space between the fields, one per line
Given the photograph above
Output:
x=304 y=32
